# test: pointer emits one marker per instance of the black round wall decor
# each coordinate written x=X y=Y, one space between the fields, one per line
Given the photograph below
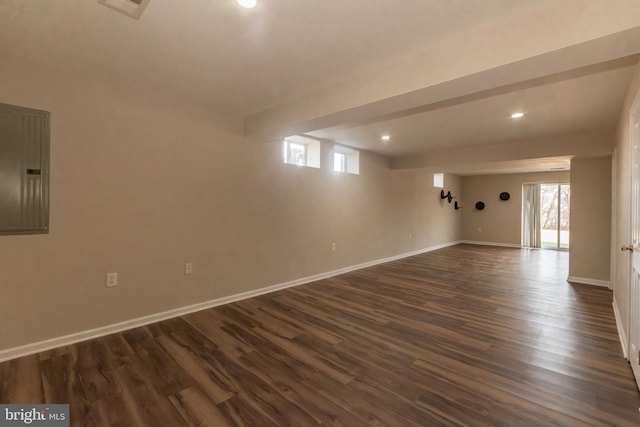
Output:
x=504 y=196
x=479 y=206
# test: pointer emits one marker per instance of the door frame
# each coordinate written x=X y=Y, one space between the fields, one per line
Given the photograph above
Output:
x=634 y=289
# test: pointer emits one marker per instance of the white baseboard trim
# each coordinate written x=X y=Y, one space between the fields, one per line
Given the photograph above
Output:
x=37 y=347
x=504 y=245
x=623 y=336
x=594 y=282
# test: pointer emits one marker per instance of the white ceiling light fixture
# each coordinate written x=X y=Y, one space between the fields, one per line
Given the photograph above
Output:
x=517 y=115
x=248 y=4
x=385 y=138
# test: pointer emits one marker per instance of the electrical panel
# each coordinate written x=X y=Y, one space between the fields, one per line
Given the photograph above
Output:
x=24 y=170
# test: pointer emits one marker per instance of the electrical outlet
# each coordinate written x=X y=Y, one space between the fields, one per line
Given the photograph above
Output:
x=112 y=280
x=188 y=268
x=333 y=247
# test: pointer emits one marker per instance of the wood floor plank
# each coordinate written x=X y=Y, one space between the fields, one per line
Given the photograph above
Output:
x=211 y=326
x=407 y=411
x=95 y=368
x=310 y=358
x=368 y=407
x=323 y=410
x=242 y=411
x=197 y=367
x=165 y=374
x=266 y=397
x=321 y=331
x=197 y=410
x=22 y=381
x=142 y=402
x=466 y=335
x=61 y=385
x=268 y=321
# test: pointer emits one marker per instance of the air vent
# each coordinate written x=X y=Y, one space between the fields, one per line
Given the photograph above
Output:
x=131 y=8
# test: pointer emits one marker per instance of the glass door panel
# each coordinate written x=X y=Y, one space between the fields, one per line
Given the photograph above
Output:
x=549 y=215
x=565 y=197
x=554 y=215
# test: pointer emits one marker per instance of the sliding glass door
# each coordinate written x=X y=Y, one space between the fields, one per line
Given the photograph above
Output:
x=545 y=216
x=554 y=215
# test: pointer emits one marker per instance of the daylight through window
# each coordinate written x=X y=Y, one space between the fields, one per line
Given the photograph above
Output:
x=301 y=151
x=346 y=160
x=339 y=162
x=297 y=154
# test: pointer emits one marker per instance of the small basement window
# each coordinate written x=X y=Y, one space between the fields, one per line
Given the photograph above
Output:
x=296 y=154
x=24 y=170
x=438 y=180
x=301 y=151
x=346 y=160
x=339 y=162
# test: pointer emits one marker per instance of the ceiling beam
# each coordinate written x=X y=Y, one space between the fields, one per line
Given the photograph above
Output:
x=566 y=35
x=457 y=160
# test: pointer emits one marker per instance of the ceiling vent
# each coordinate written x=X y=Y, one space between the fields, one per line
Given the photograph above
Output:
x=131 y=8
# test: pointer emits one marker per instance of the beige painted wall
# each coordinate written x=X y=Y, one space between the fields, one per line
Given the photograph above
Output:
x=499 y=222
x=142 y=183
x=622 y=208
x=590 y=226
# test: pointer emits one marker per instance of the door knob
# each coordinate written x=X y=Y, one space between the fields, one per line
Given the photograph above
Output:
x=627 y=248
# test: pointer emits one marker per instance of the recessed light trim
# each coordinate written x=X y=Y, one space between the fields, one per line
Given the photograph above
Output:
x=385 y=138
x=247 y=4
x=517 y=115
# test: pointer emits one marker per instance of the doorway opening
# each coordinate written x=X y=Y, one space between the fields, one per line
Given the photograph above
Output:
x=545 y=216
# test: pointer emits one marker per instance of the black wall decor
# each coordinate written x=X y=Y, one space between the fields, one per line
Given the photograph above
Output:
x=480 y=206
x=504 y=196
x=447 y=196
x=456 y=206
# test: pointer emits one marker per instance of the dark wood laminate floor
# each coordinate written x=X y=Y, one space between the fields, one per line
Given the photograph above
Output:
x=465 y=335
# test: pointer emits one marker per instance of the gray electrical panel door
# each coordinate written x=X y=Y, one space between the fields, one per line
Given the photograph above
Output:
x=24 y=170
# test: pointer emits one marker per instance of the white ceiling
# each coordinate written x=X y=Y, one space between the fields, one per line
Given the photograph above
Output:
x=581 y=104
x=238 y=60
x=244 y=62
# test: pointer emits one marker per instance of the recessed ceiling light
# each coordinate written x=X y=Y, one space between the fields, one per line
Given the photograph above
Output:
x=517 y=115
x=248 y=4
x=385 y=137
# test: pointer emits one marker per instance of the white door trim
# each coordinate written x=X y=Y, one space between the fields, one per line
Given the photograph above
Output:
x=634 y=240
